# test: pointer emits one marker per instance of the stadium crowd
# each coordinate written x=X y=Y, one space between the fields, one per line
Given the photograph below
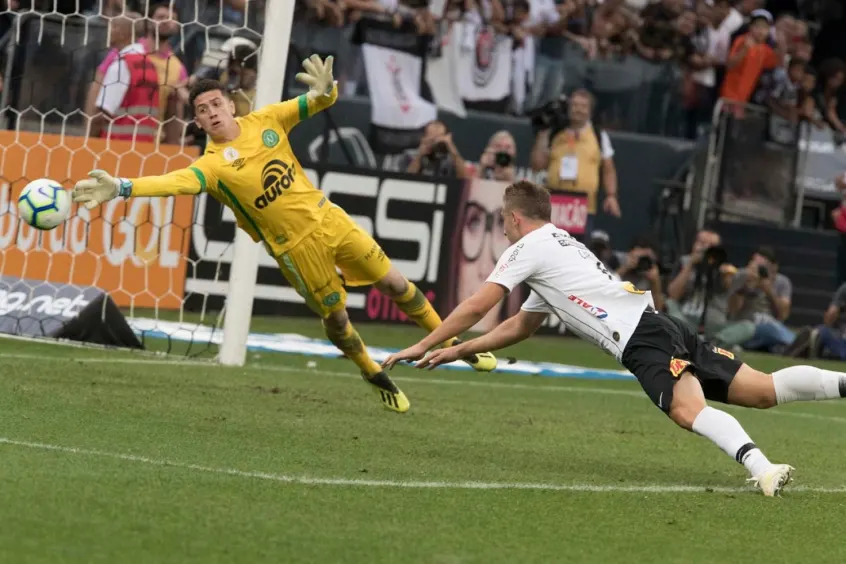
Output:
x=744 y=52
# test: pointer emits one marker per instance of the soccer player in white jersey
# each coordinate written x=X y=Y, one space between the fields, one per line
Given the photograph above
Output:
x=677 y=370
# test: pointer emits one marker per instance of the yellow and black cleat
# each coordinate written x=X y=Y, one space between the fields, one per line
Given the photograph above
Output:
x=391 y=396
x=480 y=362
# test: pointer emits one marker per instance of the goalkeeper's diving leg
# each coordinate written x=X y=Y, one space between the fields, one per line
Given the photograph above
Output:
x=343 y=335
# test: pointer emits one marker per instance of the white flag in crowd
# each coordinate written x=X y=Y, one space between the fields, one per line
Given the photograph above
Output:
x=484 y=62
x=393 y=60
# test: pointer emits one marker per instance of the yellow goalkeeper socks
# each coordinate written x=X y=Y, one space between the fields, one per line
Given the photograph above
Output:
x=415 y=305
x=349 y=342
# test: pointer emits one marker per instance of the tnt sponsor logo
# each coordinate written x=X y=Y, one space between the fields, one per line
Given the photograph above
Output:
x=595 y=311
x=276 y=177
x=723 y=352
x=677 y=366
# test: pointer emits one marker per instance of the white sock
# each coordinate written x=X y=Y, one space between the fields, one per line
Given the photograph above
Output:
x=724 y=431
x=808 y=383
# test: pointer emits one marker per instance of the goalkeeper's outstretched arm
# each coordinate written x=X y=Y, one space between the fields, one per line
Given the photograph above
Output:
x=101 y=187
x=322 y=93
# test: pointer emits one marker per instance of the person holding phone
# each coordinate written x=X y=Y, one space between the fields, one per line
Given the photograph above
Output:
x=762 y=295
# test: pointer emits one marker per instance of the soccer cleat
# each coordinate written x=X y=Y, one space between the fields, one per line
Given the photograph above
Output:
x=480 y=362
x=773 y=480
x=802 y=343
x=390 y=396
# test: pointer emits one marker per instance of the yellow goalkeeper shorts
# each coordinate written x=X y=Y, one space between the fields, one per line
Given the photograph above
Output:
x=312 y=265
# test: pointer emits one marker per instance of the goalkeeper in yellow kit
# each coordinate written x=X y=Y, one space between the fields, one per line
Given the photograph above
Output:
x=250 y=167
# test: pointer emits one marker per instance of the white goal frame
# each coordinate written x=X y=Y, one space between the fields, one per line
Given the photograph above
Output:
x=278 y=20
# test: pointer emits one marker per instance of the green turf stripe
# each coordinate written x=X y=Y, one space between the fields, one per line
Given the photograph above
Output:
x=200 y=176
x=240 y=209
x=303 y=103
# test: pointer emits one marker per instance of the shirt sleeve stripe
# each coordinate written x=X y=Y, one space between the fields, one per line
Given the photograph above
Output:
x=200 y=176
x=302 y=101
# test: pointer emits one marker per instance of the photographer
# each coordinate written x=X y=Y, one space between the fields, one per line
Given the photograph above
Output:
x=640 y=267
x=760 y=294
x=239 y=75
x=698 y=293
x=577 y=156
x=437 y=154
x=497 y=160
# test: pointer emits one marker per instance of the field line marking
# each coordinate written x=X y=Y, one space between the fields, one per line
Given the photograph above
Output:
x=407 y=484
x=432 y=381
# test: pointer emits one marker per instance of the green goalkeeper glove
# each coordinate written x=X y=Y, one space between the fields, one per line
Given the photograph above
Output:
x=100 y=187
x=318 y=76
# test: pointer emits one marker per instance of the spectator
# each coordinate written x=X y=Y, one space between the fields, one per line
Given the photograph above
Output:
x=640 y=267
x=657 y=37
x=613 y=27
x=599 y=243
x=437 y=154
x=807 y=105
x=121 y=35
x=578 y=157
x=570 y=29
x=827 y=340
x=703 y=276
x=329 y=12
x=239 y=76
x=779 y=92
x=128 y=97
x=529 y=21
x=750 y=56
x=831 y=78
x=121 y=91
x=710 y=47
x=497 y=160
x=838 y=217
x=761 y=294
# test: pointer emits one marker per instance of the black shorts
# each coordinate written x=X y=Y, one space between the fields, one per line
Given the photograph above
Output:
x=662 y=348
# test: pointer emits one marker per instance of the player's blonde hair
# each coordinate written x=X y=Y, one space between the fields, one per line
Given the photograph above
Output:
x=530 y=199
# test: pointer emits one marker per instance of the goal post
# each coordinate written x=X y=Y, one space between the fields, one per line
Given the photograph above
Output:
x=278 y=19
x=167 y=266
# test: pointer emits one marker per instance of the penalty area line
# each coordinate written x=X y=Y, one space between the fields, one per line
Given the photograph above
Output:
x=400 y=484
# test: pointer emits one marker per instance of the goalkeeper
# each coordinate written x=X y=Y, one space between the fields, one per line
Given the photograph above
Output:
x=250 y=167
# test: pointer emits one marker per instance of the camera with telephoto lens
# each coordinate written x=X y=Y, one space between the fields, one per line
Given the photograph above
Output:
x=714 y=257
x=763 y=271
x=552 y=115
x=242 y=57
x=439 y=151
x=644 y=264
x=502 y=159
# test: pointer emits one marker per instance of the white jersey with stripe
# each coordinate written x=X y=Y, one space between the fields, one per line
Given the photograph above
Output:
x=568 y=280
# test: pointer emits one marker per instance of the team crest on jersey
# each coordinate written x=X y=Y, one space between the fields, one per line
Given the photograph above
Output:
x=595 y=311
x=723 y=352
x=270 y=138
x=230 y=154
x=677 y=366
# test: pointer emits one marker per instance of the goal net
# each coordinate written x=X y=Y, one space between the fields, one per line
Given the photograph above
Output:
x=142 y=272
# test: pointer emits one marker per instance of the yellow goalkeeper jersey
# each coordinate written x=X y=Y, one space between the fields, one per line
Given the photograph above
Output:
x=256 y=175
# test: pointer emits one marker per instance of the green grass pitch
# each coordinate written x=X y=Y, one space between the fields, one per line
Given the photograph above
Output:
x=110 y=457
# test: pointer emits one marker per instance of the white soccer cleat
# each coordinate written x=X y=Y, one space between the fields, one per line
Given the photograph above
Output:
x=774 y=479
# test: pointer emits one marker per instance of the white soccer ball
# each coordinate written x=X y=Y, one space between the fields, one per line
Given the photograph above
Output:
x=44 y=204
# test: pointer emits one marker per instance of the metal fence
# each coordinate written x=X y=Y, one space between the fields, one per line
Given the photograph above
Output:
x=751 y=167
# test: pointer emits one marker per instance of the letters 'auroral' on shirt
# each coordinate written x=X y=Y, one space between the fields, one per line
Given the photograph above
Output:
x=568 y=280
